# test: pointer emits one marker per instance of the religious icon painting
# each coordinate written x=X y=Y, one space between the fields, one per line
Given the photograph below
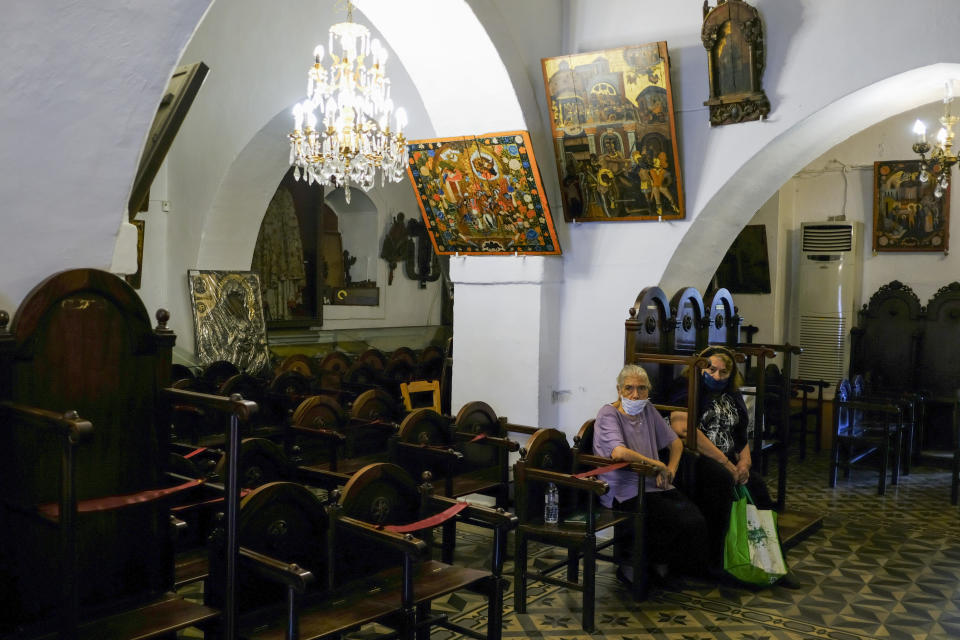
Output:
x=482 y=195
x=908 y=215
x=228 y=318
x=614 y=134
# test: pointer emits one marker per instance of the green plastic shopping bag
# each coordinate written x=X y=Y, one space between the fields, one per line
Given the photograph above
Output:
x=751 y=550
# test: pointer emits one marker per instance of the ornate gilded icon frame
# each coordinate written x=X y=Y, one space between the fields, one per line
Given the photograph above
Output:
x=228 y=318
x=733 y=37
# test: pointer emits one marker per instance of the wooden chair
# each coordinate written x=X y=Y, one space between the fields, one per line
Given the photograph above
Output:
x=346 y=442
x=633 y=527
x=87 y=528
x=648 y=329
x=885 y=344
x=810 y=406
x=430 y=363
x=939 y=378
x=366 y=565
x=863 y=428
x=690 y=323
x=723 y=321
x=548 y=458
x=417 y=389
x=912 y=407
x=944 y=456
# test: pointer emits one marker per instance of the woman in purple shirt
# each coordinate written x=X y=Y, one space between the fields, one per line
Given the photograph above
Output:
x=632 y=430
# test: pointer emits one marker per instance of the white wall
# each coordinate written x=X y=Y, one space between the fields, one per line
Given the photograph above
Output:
x=402 y=304
x=80 y=86
x=820 y=191
x=766 y=311
x=232 y=152
x=825 y=82
x=64 y=187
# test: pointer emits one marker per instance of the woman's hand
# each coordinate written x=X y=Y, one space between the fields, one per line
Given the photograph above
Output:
x=664 y=476
x=732 y=468
x=743 y=472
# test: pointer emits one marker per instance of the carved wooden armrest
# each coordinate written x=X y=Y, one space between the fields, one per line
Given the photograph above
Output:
x=506 y=426
x=67 y=424
x=475 y=514
x=593 y=485
x=405 y=543
x=609 y=464
x=440 y=454
x=330 y=435
x=505 y=443
x=289 y=575
x=234 y=404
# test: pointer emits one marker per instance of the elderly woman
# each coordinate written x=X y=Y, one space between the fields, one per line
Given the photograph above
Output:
x=724 y=461
x=632 y=430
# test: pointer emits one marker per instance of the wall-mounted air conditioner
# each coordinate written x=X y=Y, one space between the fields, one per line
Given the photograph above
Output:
x=828 y=280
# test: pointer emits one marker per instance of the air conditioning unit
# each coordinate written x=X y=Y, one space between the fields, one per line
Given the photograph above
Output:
x=828 y=281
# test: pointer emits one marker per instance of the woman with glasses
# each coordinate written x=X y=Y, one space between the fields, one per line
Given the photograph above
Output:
x=630 y=429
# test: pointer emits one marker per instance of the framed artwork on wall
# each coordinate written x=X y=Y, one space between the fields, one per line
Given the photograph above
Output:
x=482 y=195
x=907 y=215
x=614 y=134
x=746 y=266
x=228 y=319
x=177 y=99
x=135 y=278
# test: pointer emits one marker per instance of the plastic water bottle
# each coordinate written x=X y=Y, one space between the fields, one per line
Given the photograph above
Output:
x=551 y=505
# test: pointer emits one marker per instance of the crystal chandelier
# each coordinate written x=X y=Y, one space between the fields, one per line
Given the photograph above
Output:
x=941 y=157
x=353 y=97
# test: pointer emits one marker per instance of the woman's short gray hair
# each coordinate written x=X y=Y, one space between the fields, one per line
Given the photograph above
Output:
x=632 y=371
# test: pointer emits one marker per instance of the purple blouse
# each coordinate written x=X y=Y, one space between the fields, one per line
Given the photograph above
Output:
x=646 y=433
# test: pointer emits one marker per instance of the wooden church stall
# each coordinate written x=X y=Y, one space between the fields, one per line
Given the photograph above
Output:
x=909 y=355
x=86 y=549
x=665 y=339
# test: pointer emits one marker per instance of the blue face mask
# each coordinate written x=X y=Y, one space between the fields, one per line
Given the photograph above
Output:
x=714 y=385
x=633 y=407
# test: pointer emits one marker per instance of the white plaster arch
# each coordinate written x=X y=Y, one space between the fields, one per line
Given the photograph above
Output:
x=230 y=228
x=732 y=206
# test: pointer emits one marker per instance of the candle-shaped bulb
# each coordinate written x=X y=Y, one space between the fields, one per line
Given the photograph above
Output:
x=920 y=130
x=401 y=117
x=942 y=136
x=297 y=116
x=318 y=54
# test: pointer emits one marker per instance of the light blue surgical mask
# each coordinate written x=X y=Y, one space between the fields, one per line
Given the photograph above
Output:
x=633 y=407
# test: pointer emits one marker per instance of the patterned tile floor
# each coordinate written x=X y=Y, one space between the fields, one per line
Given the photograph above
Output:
x=880 y=567
x=885 y=567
